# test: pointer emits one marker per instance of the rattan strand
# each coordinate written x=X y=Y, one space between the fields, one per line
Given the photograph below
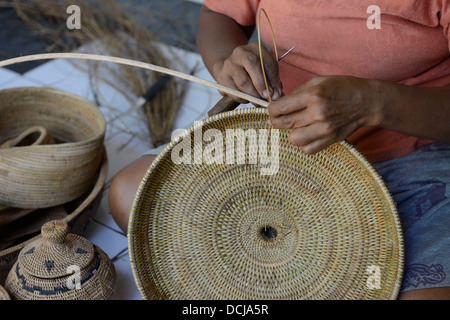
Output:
x=196 y=231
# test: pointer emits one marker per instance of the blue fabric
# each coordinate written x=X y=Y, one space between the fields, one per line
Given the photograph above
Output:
x=420 y=185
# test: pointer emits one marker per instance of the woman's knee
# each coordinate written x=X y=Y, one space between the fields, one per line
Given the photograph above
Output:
x=123 y=189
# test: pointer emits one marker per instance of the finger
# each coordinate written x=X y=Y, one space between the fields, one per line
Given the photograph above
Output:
x=252 y=64
x=230 y=82
x=317 y=146
x=314 y=137
x=273 y=75
x=244 y=83
x=286 y=105
x=317 y=136
x=293 y=120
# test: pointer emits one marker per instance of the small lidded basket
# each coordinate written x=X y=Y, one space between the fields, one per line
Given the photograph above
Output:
x=61 y=266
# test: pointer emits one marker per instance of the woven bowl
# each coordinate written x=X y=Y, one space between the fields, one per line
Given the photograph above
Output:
x=322 y=226
x=39 y=176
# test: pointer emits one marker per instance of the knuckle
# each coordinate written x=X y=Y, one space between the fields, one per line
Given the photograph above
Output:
x=282 y=108
x=329 y=129
x=228 y=64
x=295 y=140
x=320 y=114
x=237 y=51
x=286 y=122
x=241 y=81
x=251 y=60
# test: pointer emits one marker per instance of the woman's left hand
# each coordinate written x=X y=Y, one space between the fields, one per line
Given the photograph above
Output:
x=326 y=110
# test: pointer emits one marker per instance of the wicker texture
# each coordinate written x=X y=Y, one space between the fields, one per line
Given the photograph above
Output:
x=314 y=230
x=44 y=269
x=4 y=295
x=80 y=211
x=45 y=175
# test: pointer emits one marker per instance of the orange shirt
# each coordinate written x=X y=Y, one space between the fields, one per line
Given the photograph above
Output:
x=332 y=37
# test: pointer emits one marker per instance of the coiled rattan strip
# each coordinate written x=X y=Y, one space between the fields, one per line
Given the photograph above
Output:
x=195 y=231
x=40 y=176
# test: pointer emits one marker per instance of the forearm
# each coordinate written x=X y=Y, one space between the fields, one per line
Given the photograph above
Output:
x=218 y=36
x=417 y=111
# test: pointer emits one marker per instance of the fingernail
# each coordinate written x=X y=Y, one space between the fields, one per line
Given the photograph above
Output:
x=265 y=94
x=276 y=95
x=269 y=122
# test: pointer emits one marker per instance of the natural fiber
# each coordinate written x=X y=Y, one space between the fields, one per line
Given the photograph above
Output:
x=4 y=295
x=40 y=176
x=323 y=227
x=116 y=32
x=138 y=64
x=51 y=267
x=27 y=229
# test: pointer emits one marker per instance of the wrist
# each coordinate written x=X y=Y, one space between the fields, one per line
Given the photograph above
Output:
x=383 y=98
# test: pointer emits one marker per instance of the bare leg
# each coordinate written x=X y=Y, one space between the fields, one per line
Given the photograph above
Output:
x=123 y=189
x=427 y=294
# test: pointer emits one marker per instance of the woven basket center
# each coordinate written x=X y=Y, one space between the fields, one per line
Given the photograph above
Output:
x=268 y=233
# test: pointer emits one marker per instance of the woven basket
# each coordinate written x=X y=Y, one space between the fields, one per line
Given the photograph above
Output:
x=4 y=295
x=80 y=211
x=39 y=176
x=61 y=266
x=322 y=226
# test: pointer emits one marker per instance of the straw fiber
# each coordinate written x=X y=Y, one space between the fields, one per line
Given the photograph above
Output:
x=51 y=267
x=45 y=175
x=322 y=226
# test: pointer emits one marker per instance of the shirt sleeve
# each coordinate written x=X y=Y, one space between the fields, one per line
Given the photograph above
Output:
x=242 y=11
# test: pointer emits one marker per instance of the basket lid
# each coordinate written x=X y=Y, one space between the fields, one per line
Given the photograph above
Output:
x=51 y=255
x=321 y=226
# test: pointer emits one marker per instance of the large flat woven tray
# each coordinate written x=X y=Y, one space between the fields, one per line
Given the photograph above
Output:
x=323 y=226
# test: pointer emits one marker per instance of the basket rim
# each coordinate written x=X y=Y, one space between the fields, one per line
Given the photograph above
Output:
x=94 y=192
x=98 y=116
x=251 y=110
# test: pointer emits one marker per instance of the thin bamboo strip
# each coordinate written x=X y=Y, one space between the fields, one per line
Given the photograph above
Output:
x=134 y=63
x=115 y=29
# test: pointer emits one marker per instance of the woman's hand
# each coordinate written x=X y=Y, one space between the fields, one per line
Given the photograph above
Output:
x=326 y=110
x=242 y=71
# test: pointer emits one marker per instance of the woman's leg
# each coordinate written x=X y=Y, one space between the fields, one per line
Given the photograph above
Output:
x=420 y=185
x=123 y=189
x=427 y=294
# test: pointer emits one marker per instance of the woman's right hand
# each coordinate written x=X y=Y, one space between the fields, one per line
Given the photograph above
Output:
x=242 y=71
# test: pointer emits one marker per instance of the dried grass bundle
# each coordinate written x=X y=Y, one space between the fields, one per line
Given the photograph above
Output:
x=108 y=23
